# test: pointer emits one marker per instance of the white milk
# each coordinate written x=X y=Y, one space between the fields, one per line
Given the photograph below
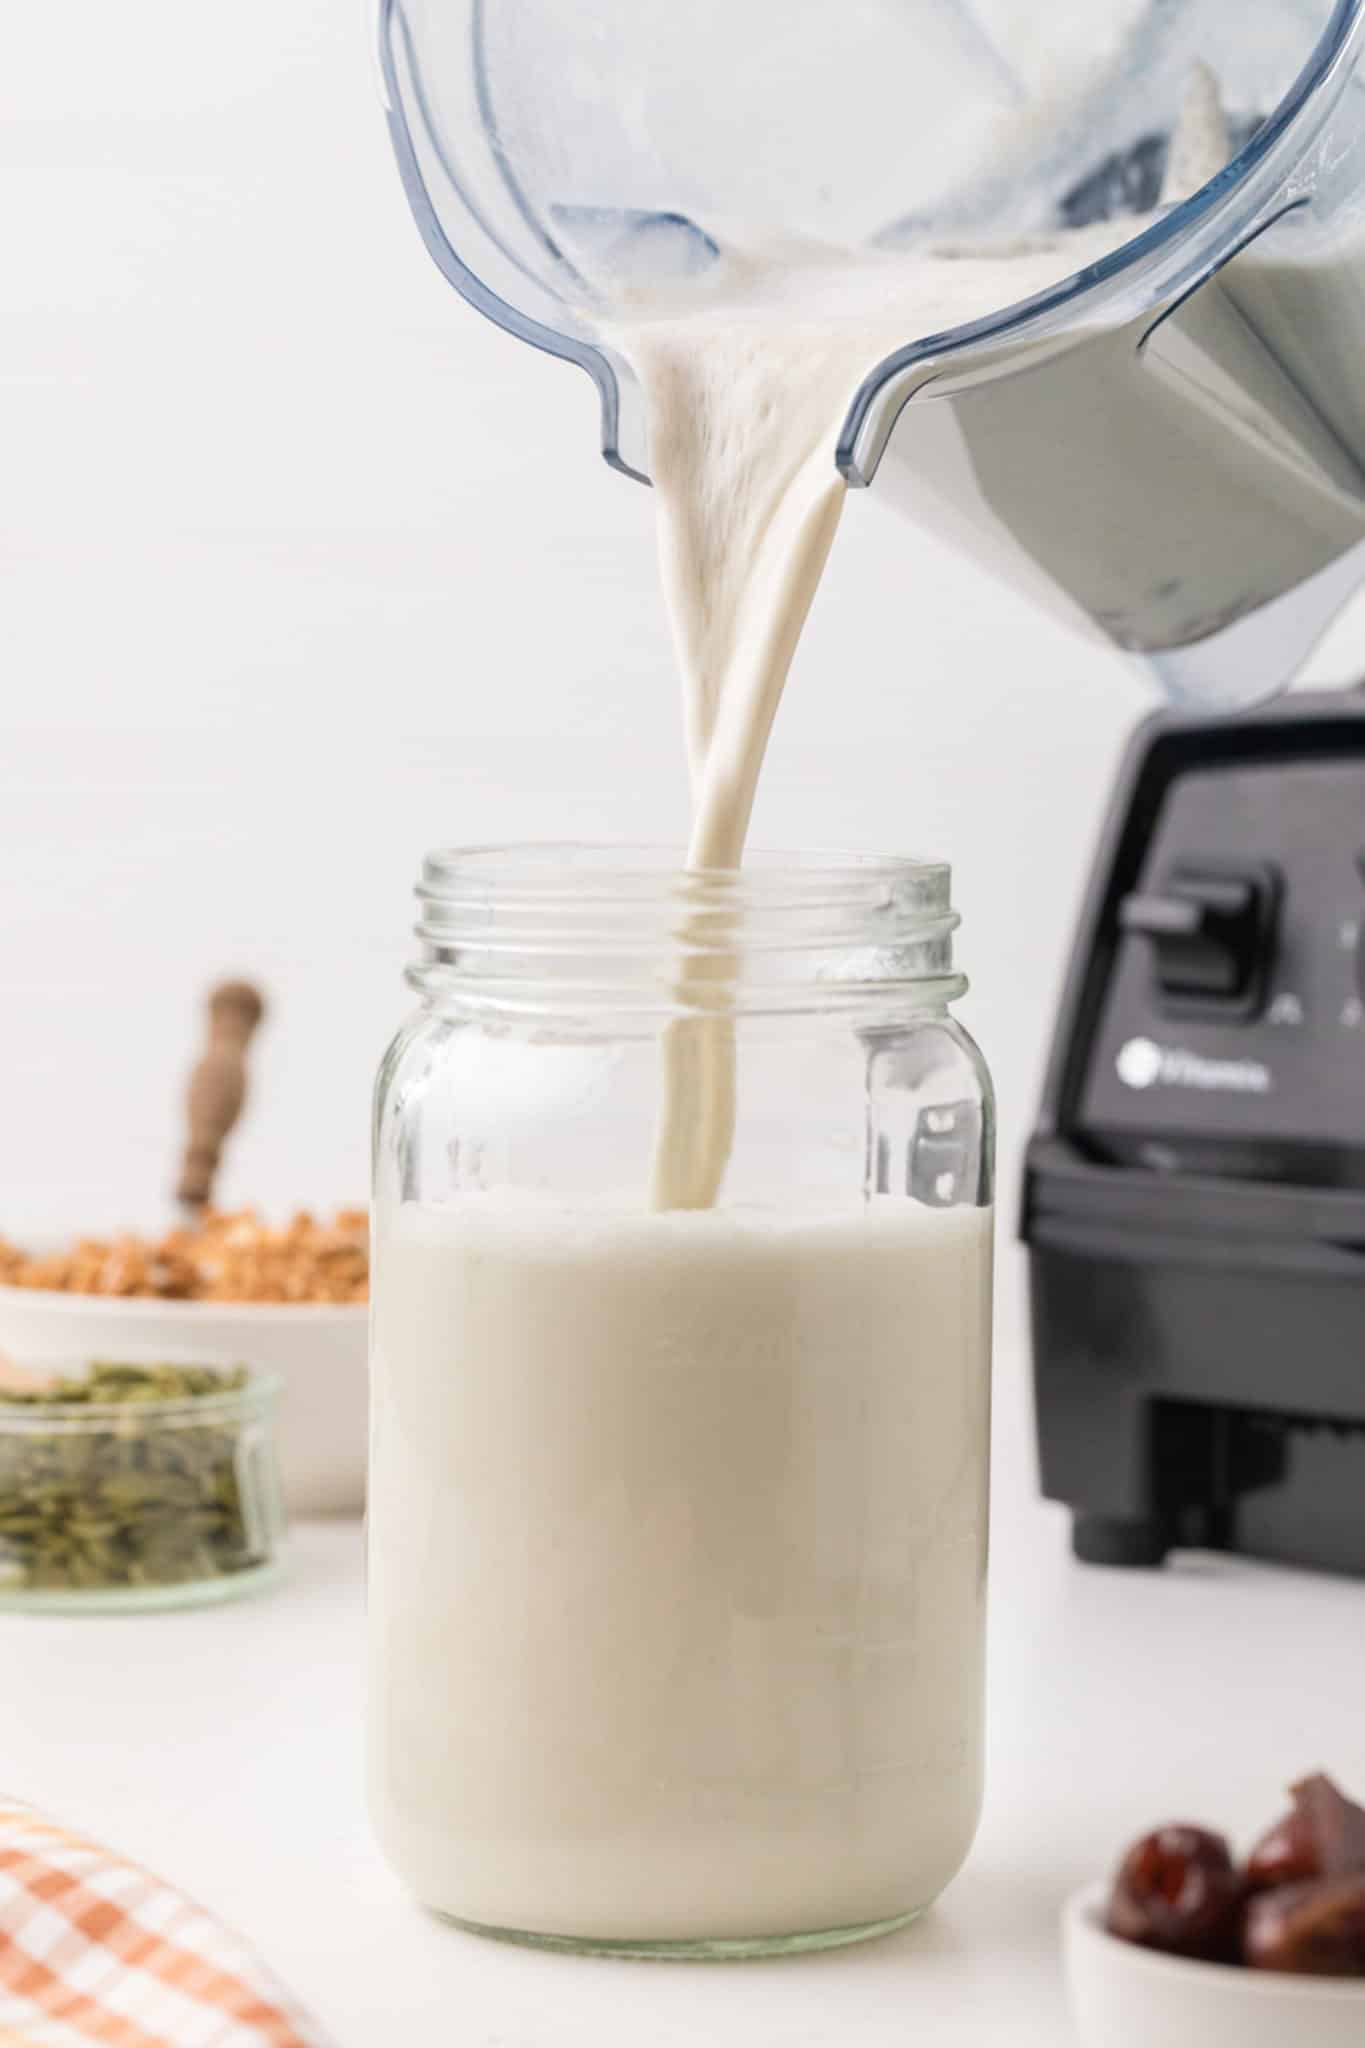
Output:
x=745 y=395
x=745 y=399
x=677 y=1563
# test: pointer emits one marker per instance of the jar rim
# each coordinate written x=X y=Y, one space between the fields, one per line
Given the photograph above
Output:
x=575 y=924
x=258 y=1394
x=531 y=869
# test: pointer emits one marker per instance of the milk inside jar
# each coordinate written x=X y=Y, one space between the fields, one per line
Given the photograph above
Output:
x=681 y=1624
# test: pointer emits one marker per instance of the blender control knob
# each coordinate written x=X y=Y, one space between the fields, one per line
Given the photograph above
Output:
x=1207 y=932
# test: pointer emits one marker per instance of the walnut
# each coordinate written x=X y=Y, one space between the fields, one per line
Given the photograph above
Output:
x=225 y=1256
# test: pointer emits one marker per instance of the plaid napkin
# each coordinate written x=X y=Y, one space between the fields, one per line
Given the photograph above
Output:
x=92 y=1949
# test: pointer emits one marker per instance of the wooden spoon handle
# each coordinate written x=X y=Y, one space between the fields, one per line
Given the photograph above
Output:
x=217 y=1087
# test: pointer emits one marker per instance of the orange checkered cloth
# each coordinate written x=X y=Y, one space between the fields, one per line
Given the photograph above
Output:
x=92 y=1949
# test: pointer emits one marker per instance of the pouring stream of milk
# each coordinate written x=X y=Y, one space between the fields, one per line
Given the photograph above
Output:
x=745 y=397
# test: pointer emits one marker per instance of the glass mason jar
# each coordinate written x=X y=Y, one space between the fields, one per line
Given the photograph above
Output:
x=681 y=1332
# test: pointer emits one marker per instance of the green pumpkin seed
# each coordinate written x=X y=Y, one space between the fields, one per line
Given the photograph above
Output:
x=127 y=1499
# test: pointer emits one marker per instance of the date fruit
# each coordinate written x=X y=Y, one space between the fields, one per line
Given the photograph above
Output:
x=1336 y=1824
x=1315 y=1929
x=1177 y=1890
x=1322 y=1836
x=1298 y=1906
x=1285 y=1854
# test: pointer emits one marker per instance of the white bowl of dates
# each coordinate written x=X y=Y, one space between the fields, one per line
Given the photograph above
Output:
x=1187 y=1948
x=137 y=1486
x=289 y=1301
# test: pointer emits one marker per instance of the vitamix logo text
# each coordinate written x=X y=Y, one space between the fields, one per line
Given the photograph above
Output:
x=1142 y=1063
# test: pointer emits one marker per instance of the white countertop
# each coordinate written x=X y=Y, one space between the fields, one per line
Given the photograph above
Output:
x=222 y=1747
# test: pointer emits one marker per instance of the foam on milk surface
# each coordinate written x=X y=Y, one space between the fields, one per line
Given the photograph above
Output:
x=677 y=1562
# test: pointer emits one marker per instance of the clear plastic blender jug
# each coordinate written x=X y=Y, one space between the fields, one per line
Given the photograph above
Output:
x=1169 y=446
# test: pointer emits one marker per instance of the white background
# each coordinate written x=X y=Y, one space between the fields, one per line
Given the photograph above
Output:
x=306 y=569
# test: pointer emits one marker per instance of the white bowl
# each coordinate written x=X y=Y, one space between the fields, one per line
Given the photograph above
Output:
x=1123 y=1996
x=317 y=1350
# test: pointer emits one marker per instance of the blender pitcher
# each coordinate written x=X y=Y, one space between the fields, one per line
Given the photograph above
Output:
x=1168 y=446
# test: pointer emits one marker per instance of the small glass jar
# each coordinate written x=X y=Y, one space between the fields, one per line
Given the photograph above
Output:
x=681 y=1334
x=115 y=1496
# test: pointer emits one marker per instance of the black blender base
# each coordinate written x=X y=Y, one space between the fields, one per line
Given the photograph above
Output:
x=1306 y=1505
x=1112 y=1540
x=1196 y=1403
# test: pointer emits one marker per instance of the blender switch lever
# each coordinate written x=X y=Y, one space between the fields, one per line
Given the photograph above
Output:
x=1159 y=917
x=1205 y=930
